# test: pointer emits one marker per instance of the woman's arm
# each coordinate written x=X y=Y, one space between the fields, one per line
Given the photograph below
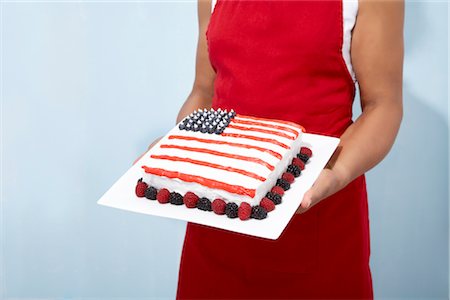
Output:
x=203 y=87
x=377 y=59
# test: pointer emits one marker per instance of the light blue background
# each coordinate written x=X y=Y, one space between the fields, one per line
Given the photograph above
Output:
x=86 y=86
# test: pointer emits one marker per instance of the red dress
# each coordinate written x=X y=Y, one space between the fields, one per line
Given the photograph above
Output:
x=283 y=59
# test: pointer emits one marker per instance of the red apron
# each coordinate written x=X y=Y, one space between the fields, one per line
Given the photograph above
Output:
x=282 y=59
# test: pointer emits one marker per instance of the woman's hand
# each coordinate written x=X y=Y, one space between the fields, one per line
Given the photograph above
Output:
x=329 y=182
x=149 y=147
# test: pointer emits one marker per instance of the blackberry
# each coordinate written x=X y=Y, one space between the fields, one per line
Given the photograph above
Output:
x=274 y=197
x=294 y=170
x=231 y=210
x=283 y=184
x=196 y=128
x=259 y=212
x=150 y=193
x=175 y=198
x=204 y=204
x=182 y=126
x=303 y=157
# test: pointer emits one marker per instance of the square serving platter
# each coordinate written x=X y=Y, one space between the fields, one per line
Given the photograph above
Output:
x=122 y=196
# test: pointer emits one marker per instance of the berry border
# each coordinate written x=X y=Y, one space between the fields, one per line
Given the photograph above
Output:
x=244 y=211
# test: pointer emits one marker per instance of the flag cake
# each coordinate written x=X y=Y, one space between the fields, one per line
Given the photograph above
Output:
x=220 y=161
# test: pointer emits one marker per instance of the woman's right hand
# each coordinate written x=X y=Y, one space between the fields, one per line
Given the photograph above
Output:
x=149 y=147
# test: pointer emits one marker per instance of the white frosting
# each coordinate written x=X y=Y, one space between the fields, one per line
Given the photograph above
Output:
x=233 y=178
x=281 y=139
x=292 y=135
x=272 y=122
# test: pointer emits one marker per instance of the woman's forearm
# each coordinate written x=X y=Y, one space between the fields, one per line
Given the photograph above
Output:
x=195 y=100
x=367 y=141
x=363 y=145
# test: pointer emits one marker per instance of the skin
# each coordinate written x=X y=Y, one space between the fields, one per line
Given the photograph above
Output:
x=203 y=88
x=377 y=59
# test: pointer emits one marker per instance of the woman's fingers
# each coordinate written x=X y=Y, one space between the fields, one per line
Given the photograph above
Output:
x=324 y=186
x=139 y=158
x=149 y=147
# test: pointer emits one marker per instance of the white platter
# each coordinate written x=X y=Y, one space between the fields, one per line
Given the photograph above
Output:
x=122 y=196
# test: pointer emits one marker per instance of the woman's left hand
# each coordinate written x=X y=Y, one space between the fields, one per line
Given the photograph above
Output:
x=329 y=182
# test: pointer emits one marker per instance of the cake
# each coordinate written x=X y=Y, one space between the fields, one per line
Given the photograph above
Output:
x=223 y=162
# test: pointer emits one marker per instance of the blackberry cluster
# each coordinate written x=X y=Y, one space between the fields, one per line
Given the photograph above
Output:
x=274 y=197
x=150 y=193
x=303 y=157
x=204 y=204
x=283 y=184
x=294 y=170
x=176 y=198
x=231 y=210
x=207 y=121
x=258 y=212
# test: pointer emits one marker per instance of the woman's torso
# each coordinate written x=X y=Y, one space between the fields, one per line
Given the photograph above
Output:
x=288 y=60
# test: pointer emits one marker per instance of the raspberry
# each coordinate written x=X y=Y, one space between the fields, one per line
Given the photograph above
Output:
x=306 y=151
x=244 y=211
x=283 y=184
x=277 y=190
x=218 y=206
x=303 y=157
x=231 y=210
x=150 y=193
x=299 y=163
x=163 y=196
x=294 y=170
x=140 y=188
x=204 y=204
x=275 y=198
x=258 y=212
x=267 y=204
x=190 y=200
x=176 y=198
x=288 y=177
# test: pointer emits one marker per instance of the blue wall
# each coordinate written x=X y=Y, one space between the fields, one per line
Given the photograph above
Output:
x=86 y=86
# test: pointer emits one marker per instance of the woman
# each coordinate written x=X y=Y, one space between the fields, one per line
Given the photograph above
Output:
x=291 y=60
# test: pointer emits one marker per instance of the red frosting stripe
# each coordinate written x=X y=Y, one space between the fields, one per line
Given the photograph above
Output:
x=211 y=183
x=224 y=154
x=273 y=120
x=191 y=138
x=208 y=164
x=256 y=138
x=268 y=131
x=279 y=127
